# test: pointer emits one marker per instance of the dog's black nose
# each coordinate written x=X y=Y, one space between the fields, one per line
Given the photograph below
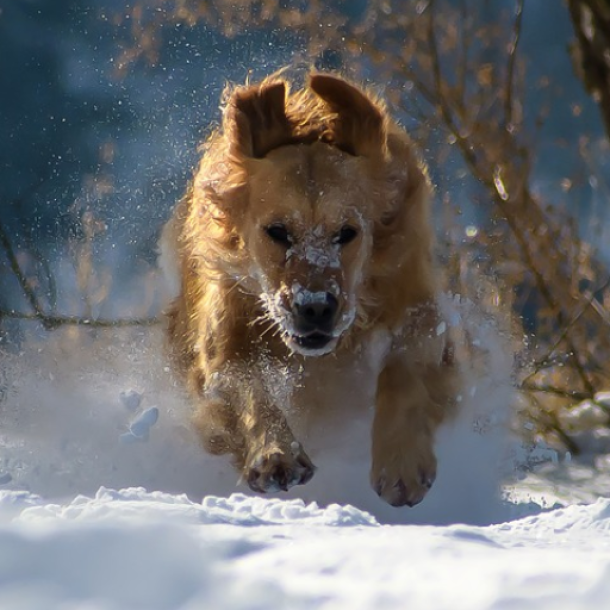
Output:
x=316 y=311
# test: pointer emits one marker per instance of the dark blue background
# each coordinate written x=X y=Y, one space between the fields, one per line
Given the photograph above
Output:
x=62 y=102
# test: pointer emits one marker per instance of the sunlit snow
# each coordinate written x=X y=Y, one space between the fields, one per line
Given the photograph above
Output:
x=107 y=502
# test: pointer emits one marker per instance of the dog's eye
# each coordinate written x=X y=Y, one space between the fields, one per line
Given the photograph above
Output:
x=345 y=235
x=279 y=233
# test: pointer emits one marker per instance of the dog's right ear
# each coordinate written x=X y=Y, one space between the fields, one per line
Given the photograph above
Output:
x=360 y=124
x=255 y=119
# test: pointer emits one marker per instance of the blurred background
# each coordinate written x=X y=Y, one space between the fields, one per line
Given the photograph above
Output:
x=104 y=104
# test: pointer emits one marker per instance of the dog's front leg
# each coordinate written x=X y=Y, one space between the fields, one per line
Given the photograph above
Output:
x=238 y=416
x=412 y=400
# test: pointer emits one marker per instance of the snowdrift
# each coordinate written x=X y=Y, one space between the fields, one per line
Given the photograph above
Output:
x=131 y=549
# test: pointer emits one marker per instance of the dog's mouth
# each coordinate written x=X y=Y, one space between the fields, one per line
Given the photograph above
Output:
x=313 y=344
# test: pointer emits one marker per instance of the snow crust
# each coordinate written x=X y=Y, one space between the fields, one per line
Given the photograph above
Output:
x=133 y=549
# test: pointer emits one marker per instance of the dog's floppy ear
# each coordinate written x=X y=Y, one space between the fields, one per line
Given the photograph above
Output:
x=255 y=119
x=360 y=124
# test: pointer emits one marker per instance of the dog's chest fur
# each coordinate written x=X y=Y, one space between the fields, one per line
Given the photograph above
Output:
x=323 y=392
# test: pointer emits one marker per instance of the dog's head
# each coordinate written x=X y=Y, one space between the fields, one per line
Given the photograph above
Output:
x=309 y=237
x=314 y=185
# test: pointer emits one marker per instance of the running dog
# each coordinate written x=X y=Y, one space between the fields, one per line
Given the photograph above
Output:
x=303 y=242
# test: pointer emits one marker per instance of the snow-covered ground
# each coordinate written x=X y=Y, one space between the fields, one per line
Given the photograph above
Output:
x=107 y=502
x=153 y=551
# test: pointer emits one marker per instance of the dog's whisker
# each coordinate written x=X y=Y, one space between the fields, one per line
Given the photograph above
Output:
x=259 y=319
x=282 y=332
x=268 y=329
x=239 y=284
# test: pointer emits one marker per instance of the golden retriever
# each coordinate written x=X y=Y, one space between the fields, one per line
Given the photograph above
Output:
x=304 y=241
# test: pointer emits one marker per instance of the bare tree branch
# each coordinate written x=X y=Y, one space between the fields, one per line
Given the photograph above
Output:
x=591 y=20
x=561 y=392
x=542 y=362
x=51 y=322
x=16 y=269
x=512 y=56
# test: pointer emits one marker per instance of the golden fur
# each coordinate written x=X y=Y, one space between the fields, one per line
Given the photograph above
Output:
x=304 y=240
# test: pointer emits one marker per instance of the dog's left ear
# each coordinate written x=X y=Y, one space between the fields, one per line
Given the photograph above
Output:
x=360 y=124
x=255 y=119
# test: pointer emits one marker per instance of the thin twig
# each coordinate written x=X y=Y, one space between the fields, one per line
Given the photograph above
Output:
x=16 y=269
x=510 y=72
x=594 y=66
x=464 y=48
x=436 y=63
x=542 y=362
x=555 y=425
x=549 y=389
x=54 y=321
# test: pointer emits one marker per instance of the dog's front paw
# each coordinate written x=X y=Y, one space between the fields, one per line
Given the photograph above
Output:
x=404 y=479
x=275 y=470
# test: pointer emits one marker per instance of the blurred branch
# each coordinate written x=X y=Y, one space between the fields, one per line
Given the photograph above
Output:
x=16 y=269
x=590 y=302
x=591 y=21
x=51 y=322
x=512 y=55
x=551 y=422
x=556 y=391
x=492 y=179
x=436 y=64
x=464 y=49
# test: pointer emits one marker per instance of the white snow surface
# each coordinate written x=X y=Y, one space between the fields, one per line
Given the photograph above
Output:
x=156 y=551
x=108 y=503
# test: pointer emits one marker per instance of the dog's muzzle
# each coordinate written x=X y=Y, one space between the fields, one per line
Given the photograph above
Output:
x=314 y=316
